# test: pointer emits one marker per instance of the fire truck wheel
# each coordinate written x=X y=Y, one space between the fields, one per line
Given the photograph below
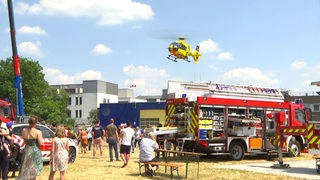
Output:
x=294 y=149
x=237 y=150
x=72 y=154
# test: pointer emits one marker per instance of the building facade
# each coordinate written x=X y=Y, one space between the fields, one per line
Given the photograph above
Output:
x=87 y=96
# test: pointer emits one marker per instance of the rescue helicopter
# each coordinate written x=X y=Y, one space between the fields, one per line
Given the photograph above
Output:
x=181 y=50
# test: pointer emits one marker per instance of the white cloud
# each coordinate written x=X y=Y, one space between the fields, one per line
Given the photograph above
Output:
x=225 y=56
x=296 y=65
x=148 y=81
x=208 y=46
x=31 y=30
x=213 y=67
x=108 y=12
x=249 y=76
x=144 y=71
x=30 y=49
x=55 y=76
x=100 y=49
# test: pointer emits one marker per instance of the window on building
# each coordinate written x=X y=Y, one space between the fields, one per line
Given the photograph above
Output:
x=80 y=100
x=76 y=113
x=145 y=121
x=69 y=113
x=80 y=113
x=69 y=101
x=316 y=108
x=77 y=100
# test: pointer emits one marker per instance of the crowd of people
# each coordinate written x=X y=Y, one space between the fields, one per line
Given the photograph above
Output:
x=121 y=140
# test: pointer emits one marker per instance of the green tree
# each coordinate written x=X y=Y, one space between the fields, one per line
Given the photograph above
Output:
x=93 y=116
x=54 y=108
x=39 y=98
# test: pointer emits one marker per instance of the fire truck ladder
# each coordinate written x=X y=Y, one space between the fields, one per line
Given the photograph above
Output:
x=247 y=92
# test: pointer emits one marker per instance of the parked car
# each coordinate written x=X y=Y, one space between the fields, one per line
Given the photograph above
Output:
x=47 y=135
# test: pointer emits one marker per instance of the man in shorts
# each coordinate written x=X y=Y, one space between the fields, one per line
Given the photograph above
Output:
x=97 y=133
x=147 y=146
x=126 y=135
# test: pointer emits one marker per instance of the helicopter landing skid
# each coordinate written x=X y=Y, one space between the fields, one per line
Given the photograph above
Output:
x=187 y=60
x=174 y=59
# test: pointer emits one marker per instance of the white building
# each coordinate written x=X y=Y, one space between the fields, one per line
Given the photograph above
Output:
x=87 y=96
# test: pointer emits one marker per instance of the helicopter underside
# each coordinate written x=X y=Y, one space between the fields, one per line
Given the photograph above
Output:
x=174 y=58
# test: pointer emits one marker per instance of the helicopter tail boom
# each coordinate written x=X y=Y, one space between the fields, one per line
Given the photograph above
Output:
x=196 y=55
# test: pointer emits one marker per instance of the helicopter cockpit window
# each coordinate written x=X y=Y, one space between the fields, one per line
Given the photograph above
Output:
x=175 y=46
x=183 y=47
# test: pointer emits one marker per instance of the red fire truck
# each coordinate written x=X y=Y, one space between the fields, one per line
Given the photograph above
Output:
x=237 y=120
x=7 y=111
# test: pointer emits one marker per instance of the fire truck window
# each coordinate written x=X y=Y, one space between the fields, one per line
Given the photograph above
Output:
x=300 y=116
x=5 y=111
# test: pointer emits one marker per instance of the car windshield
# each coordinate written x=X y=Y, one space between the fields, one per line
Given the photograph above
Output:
x=46 y=132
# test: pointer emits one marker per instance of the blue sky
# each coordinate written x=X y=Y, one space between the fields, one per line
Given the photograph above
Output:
x=249 y=42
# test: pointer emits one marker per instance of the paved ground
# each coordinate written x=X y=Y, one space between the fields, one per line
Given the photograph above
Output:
x=305 y=169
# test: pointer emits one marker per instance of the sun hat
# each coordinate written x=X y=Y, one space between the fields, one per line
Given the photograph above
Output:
x=9 y=124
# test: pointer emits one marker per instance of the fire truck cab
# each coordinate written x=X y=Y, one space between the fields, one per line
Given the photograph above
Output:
x=7 y=111
x=237 y=120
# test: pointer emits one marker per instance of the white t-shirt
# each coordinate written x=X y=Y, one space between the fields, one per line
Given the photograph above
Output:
x=137 y=134
x=127 y=136
x=89 y=130
x=147 y=147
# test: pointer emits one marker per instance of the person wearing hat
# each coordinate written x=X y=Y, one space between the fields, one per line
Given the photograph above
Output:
x=9 y=139
x=147 y=146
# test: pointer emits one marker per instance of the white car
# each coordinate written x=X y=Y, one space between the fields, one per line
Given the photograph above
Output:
x=47 y=135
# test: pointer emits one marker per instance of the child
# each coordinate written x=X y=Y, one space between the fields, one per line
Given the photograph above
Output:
x=7 y=139
x=5 y=144
x=59 y=153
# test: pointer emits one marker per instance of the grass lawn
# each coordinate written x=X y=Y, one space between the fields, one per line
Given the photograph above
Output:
x=85 y=167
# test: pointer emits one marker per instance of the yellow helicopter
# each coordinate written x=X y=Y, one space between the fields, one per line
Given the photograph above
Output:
x=181 y=50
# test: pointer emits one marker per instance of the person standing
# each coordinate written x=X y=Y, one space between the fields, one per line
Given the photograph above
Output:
x=32 y=158
x=147 y=147
x=84 y=140
x=59 y=156
x=97 y=134
x=4 y=158
x=126 y=137
x=137 y=138
x=89 y=136
x=112 y=139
